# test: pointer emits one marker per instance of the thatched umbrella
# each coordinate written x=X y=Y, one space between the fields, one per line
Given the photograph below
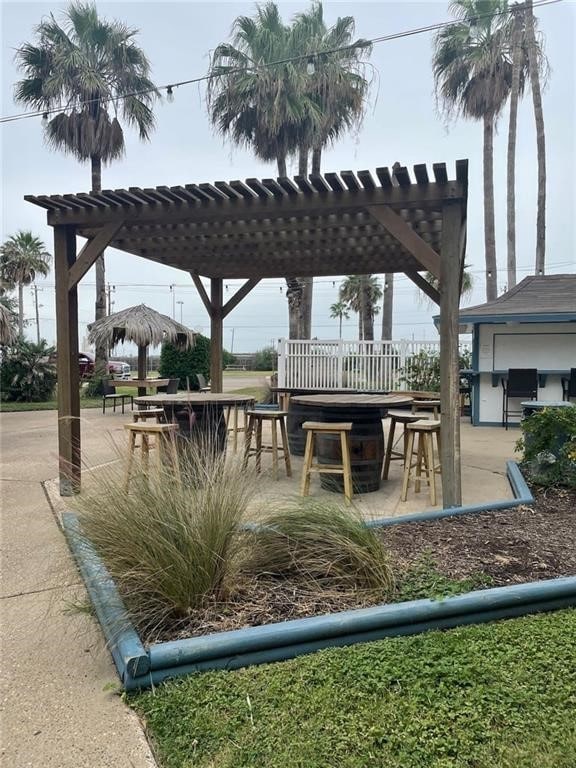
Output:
x=8 y=333
x=143 y=326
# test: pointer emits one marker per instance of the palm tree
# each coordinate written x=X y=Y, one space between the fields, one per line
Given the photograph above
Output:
x=88 y=71
x=22 y=257
x=339 y=310
x=536 y=66
x=387 y=306
x=362 y=294
x=466 y=287
x=283 y=110
x=473 y=76
x=517 y=55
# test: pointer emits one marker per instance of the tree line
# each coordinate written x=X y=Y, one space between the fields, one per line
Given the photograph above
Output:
x=91 y=78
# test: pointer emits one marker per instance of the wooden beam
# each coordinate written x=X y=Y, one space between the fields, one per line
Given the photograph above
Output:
x=90 y=252
x=424 y=285
x=69 y=458
x=201 y=290
x=216 y=328
x=405 y=235
x=449 y=368
x=241 y=293
x=412 y=196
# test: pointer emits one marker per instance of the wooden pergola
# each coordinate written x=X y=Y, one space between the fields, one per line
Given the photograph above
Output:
x=326 y=224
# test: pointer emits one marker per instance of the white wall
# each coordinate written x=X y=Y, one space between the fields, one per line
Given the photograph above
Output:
x=546 y=346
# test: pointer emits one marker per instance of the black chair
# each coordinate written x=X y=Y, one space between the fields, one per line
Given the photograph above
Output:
x=521 y=382
x=109 y=395
x=172 y=387
x=202 y=384
x=569 y=385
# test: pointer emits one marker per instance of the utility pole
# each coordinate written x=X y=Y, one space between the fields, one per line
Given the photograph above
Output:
x=232 y=342
x=35 y=290
x=173 y=291
x=181 y=305
x=109 y=290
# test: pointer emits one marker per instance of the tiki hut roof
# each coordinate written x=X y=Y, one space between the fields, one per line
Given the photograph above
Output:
x=141 y=325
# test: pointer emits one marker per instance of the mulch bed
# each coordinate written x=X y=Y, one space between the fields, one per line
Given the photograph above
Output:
x=510 y=546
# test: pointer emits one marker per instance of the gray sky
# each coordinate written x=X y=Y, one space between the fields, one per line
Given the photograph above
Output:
x=401 y=124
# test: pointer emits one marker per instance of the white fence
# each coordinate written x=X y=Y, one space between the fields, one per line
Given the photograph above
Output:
x=364 y=365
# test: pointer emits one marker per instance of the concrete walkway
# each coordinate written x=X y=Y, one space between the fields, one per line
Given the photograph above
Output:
x=57 y=709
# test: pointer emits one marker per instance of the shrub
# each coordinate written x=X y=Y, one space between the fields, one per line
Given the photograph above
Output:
x=26 y=373
x=266 y=359
x=170 y=546
x=94 y=386
x=322 y=543
x=548 y=444
x=422 y=371
x=186 y=363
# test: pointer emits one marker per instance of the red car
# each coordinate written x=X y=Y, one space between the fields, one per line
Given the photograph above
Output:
x=116 y=368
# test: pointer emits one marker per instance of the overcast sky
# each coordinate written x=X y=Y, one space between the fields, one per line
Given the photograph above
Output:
x=401 y=124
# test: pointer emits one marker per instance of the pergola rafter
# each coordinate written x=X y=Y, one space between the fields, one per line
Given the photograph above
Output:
x=325 y=224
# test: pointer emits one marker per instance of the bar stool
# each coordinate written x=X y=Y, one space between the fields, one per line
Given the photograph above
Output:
x=163 y=440
x=255 y=421
x=150 y=413
x=396 y=417
x=234 y=428
x=425 y=431
x=342 y=429
x=424 y=407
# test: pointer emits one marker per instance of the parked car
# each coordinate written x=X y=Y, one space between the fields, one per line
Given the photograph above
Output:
x=116 y=368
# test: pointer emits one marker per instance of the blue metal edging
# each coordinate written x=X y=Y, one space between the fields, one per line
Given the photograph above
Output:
x=140 y=668
x=130 y=656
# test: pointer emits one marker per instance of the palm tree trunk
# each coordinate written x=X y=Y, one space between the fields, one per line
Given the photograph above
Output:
x=303 y=160
x=489 y=226
x=21 y=310
x=101 y=351
x=340 y=327
x=316 y=159
x=511 y=160
x=534 y=67
x=387 y=306
x=281 y=162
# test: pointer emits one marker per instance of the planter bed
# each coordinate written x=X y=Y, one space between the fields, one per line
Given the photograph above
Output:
x=522 y=559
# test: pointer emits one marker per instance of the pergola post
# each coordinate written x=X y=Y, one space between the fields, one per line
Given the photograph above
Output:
x=449 y=367
x=216 y=333
x=68 y=369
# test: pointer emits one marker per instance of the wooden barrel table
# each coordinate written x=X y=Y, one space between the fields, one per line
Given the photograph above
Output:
x=366 y=438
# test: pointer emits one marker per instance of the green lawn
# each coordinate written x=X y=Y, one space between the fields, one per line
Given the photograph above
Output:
x=246 y=374
x=499 y=695
x=49 y=405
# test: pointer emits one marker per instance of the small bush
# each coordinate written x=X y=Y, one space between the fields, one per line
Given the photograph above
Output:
x=26 y=373
x=323 y=543
x=266 y=359
x=422 y=371
x=186 y=363
x=94 y=386
x=548 y=444
x=170 y=546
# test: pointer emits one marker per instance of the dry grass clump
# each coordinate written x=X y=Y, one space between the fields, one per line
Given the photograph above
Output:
x=170 y=545
x=321 y=542
x=179 y=550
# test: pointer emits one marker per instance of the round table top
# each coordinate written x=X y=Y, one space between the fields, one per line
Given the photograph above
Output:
x=353 y=400
x=194 y=398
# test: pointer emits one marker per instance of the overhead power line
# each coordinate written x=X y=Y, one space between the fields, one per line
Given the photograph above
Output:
x=169 y=87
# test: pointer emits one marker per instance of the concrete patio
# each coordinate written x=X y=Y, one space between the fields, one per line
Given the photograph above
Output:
x=57 y=709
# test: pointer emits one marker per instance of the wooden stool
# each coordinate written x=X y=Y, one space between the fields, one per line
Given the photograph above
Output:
x=255 y=421
x=425 y=430
x=424 y=407
x=396 y=417
x=163 y=440
x=151 y=413
x=232 y=411
x=336 y=428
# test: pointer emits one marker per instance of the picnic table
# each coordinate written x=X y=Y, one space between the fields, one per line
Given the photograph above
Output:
x=142 y=384
x=365 y=411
